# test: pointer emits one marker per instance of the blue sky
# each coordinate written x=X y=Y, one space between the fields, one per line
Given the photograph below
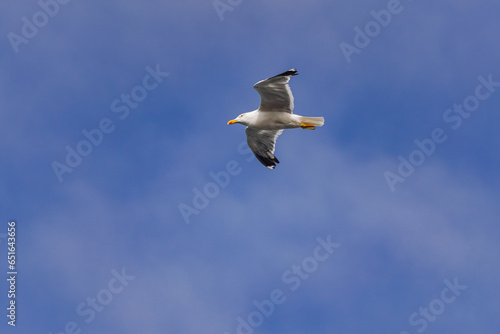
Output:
x=323 y=243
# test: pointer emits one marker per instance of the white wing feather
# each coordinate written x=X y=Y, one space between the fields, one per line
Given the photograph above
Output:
x=262 y=143
x=275 y=93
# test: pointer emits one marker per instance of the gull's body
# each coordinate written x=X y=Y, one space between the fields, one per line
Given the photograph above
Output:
x=274 y=115
x=271 y=120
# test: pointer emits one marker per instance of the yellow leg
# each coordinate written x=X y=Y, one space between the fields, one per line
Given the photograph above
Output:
x=307 y=126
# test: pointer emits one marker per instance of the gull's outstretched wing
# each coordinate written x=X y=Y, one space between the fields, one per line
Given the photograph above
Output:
x=262 y=143
x=275 y=94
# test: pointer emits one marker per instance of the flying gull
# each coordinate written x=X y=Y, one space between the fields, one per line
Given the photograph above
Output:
x=265 y=124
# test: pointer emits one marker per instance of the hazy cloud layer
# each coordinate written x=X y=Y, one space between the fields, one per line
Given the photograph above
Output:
x=118 y=209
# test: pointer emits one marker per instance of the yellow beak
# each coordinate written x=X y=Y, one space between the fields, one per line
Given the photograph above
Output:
x=232 y=121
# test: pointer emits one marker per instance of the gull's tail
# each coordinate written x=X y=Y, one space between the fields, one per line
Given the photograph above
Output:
x=311 y=122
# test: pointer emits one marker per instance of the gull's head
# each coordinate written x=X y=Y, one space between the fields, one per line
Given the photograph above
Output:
x=240 y=119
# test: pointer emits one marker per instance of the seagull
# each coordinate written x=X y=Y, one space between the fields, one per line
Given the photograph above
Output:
x=265 y=124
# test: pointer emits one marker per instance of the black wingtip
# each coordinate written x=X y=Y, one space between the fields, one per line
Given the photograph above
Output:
x=268 y=162
x=290 y=72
